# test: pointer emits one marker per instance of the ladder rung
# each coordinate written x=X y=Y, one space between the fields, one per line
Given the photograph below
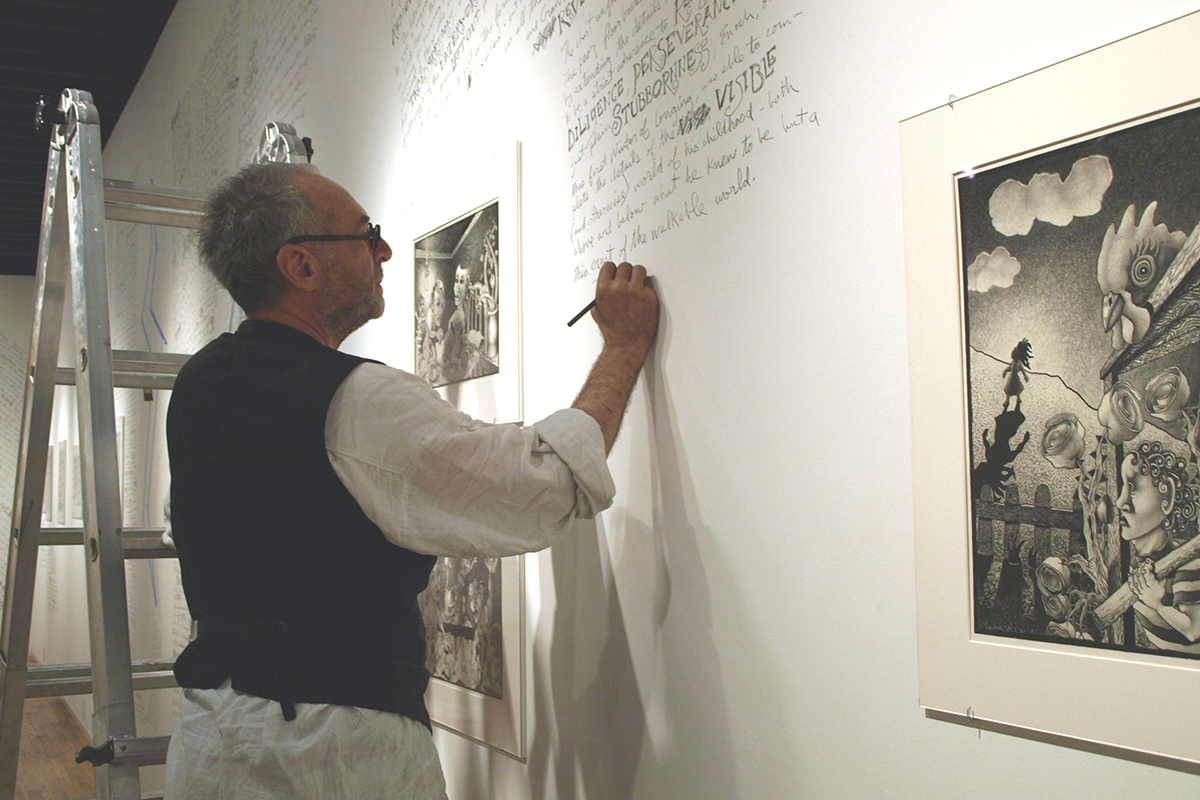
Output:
x=166 y=217
x=138 y=542
x=152 y=195
x=156 y=205
x=133 y=369
x=150 y=363
x=121 y=380
x=61 y=680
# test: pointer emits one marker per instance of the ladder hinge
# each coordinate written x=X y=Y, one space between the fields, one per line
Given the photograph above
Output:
x=97 y=756
x=143 y=752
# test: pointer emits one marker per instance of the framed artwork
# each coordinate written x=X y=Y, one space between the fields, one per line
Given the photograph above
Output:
x=1052 y=233
x=474 y=626
x=1081 y=316
x=457 y=293
x=466 y=266
x=466 y=286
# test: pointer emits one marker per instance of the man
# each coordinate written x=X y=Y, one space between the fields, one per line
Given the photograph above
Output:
x=1157 y=506
x=312 y=490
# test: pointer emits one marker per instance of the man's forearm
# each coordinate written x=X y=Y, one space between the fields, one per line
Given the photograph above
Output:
x=606 y=392
x=627 y=314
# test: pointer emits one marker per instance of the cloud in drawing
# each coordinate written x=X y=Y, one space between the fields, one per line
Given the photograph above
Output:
x=1014 y=205
x=997 y=268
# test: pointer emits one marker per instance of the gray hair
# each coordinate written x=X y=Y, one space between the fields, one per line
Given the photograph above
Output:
x=246 y=220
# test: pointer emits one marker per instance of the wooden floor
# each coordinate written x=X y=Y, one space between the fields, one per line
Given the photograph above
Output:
x=50 y=737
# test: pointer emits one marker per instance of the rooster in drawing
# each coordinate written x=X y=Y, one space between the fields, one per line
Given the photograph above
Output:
x=1133 y=260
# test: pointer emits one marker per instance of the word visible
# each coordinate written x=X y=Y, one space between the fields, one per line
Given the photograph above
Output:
x=751 y=80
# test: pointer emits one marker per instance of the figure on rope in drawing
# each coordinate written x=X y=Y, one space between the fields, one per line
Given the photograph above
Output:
x=996 y=468
x=1084 y=250
x=1018 y=366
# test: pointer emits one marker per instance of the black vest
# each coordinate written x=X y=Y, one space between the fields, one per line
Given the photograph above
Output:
x=299 y=597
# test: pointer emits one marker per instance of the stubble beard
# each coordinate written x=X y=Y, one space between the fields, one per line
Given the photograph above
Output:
x=347 y=317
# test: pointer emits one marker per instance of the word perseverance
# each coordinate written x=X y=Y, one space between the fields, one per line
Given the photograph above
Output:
x=667 y=81
x=656 y=56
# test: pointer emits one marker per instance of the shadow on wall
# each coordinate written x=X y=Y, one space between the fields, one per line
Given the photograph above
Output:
x=635 y=703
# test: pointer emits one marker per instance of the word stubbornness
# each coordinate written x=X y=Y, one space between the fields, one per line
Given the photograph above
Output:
x=663 y=98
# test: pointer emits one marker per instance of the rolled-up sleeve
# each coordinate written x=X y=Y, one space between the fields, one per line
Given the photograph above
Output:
x=439 y=482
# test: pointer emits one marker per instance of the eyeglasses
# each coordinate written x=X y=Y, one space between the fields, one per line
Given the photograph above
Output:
x=372 y=237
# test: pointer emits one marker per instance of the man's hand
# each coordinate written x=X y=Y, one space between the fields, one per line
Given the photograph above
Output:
x=626 y=307
x=627 y=314
x=1147 y=586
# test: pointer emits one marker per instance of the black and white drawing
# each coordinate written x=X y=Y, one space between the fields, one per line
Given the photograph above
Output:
x=457 y=298
x=1082 y=326
x=461 y=609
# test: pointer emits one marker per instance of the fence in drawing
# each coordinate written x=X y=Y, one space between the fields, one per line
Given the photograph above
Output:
x=1082 y=340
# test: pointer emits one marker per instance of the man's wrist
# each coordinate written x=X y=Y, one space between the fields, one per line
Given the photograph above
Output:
x=630 y=354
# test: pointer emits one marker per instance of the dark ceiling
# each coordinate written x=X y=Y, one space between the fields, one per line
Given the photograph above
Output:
x=46 y=46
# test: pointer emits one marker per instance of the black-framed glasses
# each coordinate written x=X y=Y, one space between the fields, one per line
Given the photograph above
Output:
x=372 y=237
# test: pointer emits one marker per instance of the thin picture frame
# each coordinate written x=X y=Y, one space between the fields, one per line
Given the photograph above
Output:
x=468 y=190
x=1042 y=690
x=477 y=199
x=495 y=722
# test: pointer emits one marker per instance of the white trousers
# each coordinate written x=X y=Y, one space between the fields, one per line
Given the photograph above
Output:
x=231 y=745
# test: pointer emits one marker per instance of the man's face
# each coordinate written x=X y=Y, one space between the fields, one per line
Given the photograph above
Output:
x=353 y=293
x=460 y=286
x=1143 y=509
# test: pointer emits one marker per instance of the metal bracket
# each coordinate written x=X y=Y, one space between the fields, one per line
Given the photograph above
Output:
x=280 y=143
x=143 y=752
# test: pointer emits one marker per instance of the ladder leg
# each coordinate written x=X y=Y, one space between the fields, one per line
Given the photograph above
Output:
x=72 y=244
x=112 y=680
x=31 y=467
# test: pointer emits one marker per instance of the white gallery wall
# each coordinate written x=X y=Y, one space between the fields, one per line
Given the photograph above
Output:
x=16 y=316
x=741 y=622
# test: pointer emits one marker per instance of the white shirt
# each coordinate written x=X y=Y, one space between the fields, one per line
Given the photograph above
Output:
x=437 y=482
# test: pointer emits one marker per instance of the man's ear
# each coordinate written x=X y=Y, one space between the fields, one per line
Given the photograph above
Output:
x=298 y=266
x=1168 y=503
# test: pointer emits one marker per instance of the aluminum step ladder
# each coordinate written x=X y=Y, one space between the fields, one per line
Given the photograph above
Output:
x=72 y=246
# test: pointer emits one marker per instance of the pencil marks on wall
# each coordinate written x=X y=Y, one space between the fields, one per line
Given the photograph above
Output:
x=256 y=69
x=671 y=109
x=440 y=46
